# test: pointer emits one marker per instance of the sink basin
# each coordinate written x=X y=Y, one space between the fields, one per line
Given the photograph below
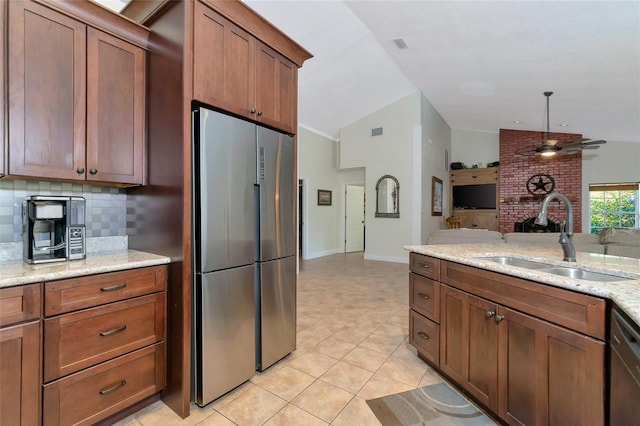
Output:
x=514 y=261
x=556 y=270
x=583 y=275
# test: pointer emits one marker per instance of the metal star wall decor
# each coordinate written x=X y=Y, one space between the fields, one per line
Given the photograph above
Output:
x=540 y=184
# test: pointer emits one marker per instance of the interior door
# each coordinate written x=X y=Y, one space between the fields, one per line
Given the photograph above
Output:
x=354 y=219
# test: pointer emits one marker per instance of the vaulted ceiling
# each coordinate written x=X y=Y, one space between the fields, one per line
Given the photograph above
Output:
x=482 y=64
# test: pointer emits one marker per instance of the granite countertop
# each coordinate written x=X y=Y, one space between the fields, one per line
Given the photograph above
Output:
x=16 y=272
x=625 y=293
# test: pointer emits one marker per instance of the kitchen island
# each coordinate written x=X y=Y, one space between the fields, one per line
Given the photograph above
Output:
x=512 y=328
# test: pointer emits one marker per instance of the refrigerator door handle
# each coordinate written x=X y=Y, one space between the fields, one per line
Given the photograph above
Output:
x=261 y=162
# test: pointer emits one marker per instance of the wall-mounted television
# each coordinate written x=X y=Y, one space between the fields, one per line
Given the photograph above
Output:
x=481 y=196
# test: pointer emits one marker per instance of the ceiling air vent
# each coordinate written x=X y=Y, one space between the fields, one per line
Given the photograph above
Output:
x=400 y=43
x=376 y=132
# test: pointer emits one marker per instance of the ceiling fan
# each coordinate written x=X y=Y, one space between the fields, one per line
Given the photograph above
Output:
x=551 y=147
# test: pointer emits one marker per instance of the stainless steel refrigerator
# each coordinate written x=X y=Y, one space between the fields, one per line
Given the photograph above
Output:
x=244 y=314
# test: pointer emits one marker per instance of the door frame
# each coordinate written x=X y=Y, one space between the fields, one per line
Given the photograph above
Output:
x=343 y=214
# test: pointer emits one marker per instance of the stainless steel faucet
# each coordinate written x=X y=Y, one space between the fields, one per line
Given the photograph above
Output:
x=566 y=238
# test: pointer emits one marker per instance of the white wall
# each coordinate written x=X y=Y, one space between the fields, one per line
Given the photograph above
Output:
x=317 y=166
x=471 y=147
x=436 y=137
x=390 y=153
x=614 y=162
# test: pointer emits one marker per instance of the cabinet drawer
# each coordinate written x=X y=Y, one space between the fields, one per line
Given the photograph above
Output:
x=424 y=335
x=576 y=311
x=425 y=266
x=84 y=292
x=98 y=392
x=474 y=176
x=424 y=296
x=81 y=339
x=19 y=304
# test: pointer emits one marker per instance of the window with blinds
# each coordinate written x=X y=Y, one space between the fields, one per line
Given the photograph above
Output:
x=613 y=205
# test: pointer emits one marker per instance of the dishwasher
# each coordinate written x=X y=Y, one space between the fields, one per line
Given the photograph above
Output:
x=624 y=373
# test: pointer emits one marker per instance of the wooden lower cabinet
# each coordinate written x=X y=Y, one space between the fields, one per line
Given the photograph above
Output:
x=104 y=339
x=478 y=219
x=20 y=374
x=95 y=393
x=526 y=370
x=548 y=374
x=469 y=344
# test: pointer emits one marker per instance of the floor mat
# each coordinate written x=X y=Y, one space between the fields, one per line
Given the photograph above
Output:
x=431 y=405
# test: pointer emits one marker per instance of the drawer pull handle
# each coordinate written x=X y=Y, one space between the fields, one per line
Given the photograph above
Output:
x=114 y=287
x=423 y=296
x=113 y=388
x=423 y=265
x=114 y=331
x=423 y=335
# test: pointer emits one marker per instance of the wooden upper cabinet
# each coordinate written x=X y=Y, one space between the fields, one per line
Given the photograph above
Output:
x=238 y=73
x=224 y=60
x=76 y=98
x=115 y=109
x=47 y=66
x=276 y=89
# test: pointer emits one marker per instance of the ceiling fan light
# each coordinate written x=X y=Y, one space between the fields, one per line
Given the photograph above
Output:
x=548 y=153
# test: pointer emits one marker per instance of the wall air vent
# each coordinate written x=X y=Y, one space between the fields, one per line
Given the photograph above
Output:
x=376 y=132
x=400 y=43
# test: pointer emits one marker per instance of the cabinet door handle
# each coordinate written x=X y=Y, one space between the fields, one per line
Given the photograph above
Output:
x=113 y=388
x=113 y=287
x=423 y=296
x=252 y=110
x=114 y=331
x=80 y=170
x=490 y=314
x=93 y=171
x=423 y=335
x=423 y=265
x=259 y=113
x=499 y=318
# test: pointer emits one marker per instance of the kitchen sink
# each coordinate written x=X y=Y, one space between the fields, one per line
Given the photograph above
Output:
x=514 y=261
x=583 y=275
x=577 y=273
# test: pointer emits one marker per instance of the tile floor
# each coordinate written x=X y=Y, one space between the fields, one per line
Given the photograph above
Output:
x=352 y=346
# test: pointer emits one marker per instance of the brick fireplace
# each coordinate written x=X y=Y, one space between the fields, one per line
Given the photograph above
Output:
x=516 y=203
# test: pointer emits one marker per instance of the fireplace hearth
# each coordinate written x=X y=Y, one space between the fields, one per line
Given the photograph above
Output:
x=529 y=225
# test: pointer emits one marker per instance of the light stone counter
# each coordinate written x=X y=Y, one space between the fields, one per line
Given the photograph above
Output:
x=17 y=272
x=626 y=293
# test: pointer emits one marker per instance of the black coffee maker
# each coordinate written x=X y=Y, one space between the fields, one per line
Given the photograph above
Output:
x=53 y=228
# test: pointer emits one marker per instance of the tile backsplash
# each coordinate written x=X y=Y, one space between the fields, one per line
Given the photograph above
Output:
x=106 y=207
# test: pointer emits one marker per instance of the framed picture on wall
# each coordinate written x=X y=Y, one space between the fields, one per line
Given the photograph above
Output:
x=324 y=197
x=436 y=196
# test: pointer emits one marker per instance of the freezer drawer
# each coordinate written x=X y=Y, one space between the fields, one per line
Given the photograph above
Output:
x=277 y=314
x=224 y=333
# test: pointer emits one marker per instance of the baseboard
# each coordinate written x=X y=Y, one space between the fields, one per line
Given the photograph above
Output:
x=387 y=258
x=321 y=254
